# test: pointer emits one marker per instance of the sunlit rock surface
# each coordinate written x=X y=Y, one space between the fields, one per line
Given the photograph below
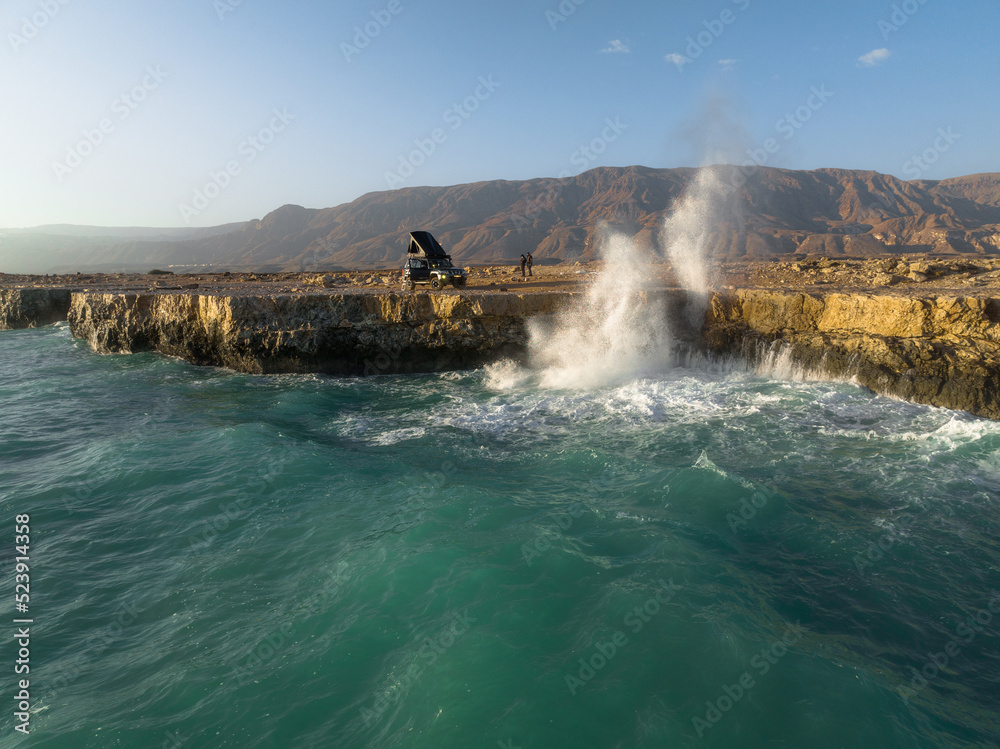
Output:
x=940 y=349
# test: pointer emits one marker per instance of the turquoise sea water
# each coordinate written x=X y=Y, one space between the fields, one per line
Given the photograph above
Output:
x=707 y=557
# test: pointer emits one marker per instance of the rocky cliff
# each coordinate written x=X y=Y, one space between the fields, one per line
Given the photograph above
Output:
x=342 y=334
x=939 y=350
x=934 y=348
x=30 y=308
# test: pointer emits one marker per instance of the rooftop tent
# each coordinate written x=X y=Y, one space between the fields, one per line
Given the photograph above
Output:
x=423 y=244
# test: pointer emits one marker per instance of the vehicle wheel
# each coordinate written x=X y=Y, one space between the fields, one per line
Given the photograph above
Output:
x=459 y=283
x=436 y=284
x=412 y=285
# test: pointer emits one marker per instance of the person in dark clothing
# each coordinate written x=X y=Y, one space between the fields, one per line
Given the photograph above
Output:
x=531 y=260
x=524 y=262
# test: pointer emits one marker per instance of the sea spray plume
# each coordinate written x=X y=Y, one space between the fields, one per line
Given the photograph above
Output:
x=714 y=132
x=616 y=332
x=620 y=329
x=707 y=208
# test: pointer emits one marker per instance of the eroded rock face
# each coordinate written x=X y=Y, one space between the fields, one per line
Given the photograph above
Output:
x=942 y=351
x=330 y=334
x=31 y=308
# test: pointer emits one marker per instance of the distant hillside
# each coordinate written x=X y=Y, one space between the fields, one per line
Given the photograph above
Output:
x=777 y=211
x=978 y=188
x=67 y=248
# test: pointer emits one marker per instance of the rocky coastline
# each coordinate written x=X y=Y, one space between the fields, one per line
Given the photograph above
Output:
x=939 y=350
x=933 y=345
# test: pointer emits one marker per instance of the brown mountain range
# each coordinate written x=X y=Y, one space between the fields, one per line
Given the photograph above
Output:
x=771 y=212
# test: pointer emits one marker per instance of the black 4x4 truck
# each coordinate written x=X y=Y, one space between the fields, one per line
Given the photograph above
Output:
x=428 y=263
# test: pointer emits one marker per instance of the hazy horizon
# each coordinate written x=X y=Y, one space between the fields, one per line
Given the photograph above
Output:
x=217 y=112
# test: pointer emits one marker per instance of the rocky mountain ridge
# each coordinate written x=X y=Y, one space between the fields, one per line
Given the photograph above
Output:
x=768 y=213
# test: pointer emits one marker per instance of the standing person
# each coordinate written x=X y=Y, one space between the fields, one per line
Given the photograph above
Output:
x=524 y=261
x=531 y=260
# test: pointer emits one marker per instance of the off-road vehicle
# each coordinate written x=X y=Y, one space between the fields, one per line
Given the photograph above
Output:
x=428 y=263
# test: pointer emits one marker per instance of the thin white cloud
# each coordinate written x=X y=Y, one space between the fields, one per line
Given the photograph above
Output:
x=617 y=46
x=679 y=60
x=875 y=57
x=728 y=62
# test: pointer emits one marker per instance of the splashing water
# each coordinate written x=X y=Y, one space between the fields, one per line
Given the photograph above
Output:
x=620 y=329
x=687 y=235
x=615 y=333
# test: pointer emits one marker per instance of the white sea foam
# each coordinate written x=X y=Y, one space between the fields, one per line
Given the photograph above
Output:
x=399 y=435
x=779 y=363
x=619 y=331
x=615 y=333
x=629 y=516
x=506 y=375
x=687 y=235
x=957 y=431
x=672 y=400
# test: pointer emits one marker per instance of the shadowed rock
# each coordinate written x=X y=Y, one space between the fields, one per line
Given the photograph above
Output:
x=938 y=349
x=32 y=308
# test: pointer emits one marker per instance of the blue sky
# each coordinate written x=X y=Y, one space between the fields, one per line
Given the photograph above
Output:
x=202 y=112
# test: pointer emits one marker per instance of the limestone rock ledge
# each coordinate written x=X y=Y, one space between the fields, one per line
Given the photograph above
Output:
x=941 y=351
x=339 y=334
x=31 y=308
